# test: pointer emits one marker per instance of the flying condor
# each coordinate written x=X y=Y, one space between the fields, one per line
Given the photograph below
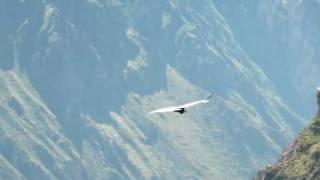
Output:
x=181 y=108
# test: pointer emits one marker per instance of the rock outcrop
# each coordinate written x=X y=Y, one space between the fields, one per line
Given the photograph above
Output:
x=301 y=160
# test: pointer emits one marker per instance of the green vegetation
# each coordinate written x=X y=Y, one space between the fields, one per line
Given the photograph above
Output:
x=166 y=19
x=301 y=160
x=140 y=61
x=48 y=18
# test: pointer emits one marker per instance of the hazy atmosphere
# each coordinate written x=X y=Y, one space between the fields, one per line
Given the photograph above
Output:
x=78 y=79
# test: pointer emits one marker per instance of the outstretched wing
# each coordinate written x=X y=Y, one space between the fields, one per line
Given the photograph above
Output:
x=204 y=101
x=193 y=103
x=167 y=109
x=174 y=108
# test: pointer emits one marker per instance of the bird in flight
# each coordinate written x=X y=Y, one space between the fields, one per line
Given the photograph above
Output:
x=181 y=108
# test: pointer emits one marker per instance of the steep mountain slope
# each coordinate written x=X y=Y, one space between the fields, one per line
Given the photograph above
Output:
x=78 y=78
x=287 y=42
x=301 y=158
x=32 y=144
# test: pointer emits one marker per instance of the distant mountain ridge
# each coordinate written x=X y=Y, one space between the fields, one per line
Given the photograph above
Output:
x=77 y=79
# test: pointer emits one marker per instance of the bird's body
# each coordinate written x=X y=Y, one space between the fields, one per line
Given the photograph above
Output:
x=181 y=108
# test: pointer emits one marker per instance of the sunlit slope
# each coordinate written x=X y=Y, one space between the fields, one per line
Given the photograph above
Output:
x=202 y=143
x=32 y=145
x=90 y=71
x=226 y=133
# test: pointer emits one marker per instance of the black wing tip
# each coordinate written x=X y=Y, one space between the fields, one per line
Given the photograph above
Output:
x=210 y=96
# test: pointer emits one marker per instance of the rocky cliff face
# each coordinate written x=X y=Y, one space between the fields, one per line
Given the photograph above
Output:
x=301 y=159
x=78 y=78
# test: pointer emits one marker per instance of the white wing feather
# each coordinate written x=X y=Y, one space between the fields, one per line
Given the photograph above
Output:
x=193 y=103
x=173 y=108
x=167 y=109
